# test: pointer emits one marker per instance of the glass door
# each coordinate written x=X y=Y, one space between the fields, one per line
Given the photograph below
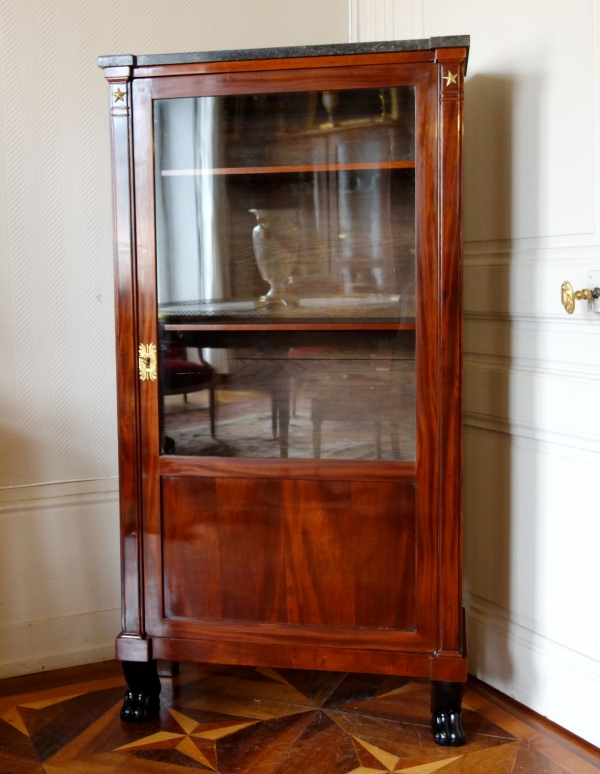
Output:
x=288 y=272
x=285 y=243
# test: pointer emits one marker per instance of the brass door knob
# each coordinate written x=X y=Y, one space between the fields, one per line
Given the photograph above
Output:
x=568 y=296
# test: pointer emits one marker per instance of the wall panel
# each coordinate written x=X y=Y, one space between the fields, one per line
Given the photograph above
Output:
x=532 y=373
x=59 y=575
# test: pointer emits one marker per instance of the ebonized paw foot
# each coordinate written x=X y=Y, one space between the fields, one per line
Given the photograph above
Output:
x=448 y=729
x=446 y=721
x=139 y=707
x=141 y=701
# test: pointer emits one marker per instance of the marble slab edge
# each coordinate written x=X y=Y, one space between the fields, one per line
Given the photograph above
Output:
x=338 y=49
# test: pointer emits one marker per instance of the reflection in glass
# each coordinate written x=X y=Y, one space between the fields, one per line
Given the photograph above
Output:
x=342 y=175
x=282 y=209
x=276 y=239
x=329 y=395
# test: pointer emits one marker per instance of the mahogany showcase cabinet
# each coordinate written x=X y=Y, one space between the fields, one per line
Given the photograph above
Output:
x=288 y=237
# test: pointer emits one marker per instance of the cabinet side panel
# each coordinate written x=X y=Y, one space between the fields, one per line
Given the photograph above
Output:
x=120 y=119
x=451 y=74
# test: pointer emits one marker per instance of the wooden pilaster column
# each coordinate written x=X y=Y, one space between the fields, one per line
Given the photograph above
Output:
x=131 y=643
x=451 y=66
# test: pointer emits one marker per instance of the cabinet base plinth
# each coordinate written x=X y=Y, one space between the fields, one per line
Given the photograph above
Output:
x=336 y=659
x=132 y=647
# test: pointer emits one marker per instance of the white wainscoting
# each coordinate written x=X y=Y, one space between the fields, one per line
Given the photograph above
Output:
x=59 y=575
x=532 y=373
x=532 y=456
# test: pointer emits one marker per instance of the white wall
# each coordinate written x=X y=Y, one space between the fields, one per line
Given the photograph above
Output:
x=532 y=373
x=59 y=559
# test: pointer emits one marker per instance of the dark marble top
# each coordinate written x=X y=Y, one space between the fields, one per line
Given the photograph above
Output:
x=338 y=49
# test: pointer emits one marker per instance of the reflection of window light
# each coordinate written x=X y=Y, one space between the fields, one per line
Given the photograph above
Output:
x=377 y=273
x=210 y=278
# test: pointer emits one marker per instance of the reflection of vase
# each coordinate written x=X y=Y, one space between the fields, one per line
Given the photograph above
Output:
x=330 y=99
x=275 y=239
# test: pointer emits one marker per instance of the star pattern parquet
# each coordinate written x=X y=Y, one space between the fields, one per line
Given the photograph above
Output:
x=234 y=720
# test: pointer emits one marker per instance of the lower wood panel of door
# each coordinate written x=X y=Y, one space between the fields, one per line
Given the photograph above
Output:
x=331 y=554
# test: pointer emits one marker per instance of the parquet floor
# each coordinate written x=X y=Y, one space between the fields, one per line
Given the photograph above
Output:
x=236 y=720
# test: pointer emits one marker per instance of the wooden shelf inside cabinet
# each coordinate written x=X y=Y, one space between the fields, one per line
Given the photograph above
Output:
x=366 y=165
x=305 y=314
x=303 y=326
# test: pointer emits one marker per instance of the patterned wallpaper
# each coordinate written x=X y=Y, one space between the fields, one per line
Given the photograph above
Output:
x=57 y=379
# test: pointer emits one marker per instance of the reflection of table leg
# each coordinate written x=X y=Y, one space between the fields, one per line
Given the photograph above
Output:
x=213 y=409
x=294 y=395
x=316 y=438
x=274 y=413
x=280 y=415
x=284 y=417
x=378 y=439
x=395 y=437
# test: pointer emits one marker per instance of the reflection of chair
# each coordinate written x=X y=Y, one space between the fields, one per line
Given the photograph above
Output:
x=303 y=353
x=357 y=400
x=180 y=376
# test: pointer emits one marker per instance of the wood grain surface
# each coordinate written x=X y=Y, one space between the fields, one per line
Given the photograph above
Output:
x=317 y=553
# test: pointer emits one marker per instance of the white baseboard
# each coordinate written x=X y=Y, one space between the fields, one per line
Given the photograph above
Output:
x=53 y=643
x=557 y=682
x=59 y=555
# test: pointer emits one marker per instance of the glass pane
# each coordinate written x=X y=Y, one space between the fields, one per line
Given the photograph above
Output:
x=286 y=206
x=282 y=210
x=318 y=394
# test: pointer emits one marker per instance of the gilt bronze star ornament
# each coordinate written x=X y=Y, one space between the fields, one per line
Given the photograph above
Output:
x=118 y=95
x=451 y=79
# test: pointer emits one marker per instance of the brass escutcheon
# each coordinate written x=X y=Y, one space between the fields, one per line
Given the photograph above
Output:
x=147 y=362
